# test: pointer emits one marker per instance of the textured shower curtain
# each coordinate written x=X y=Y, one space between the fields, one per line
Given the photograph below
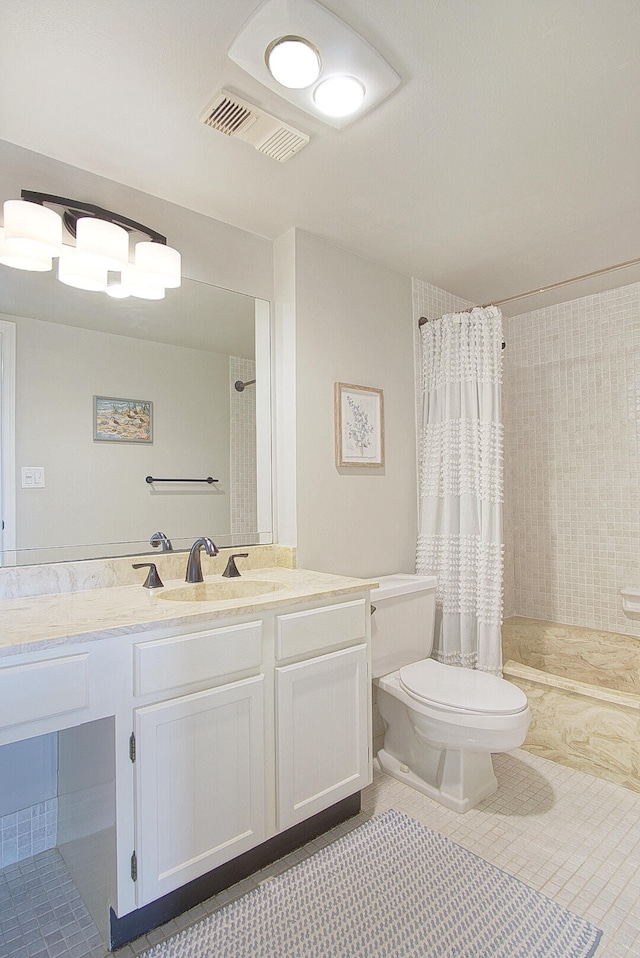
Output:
x=461 y=485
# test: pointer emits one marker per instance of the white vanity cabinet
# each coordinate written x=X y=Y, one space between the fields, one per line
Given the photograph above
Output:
x=199 y=784
x=47 y=691
x=322 y=709
x=202 y=740
x=229 y=764
x=199 y=757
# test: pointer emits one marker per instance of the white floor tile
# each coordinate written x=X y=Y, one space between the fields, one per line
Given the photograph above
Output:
x=573 y=837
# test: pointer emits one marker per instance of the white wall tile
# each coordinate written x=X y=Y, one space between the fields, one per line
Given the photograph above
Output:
x=572 y=459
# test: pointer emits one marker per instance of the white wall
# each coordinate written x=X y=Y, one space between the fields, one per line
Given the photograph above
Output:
x=96 y=491
x=354 y=325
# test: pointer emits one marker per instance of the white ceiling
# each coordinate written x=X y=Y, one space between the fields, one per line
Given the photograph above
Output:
x=508 y=159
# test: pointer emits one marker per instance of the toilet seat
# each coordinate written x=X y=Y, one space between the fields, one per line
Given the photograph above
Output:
x=454 y=689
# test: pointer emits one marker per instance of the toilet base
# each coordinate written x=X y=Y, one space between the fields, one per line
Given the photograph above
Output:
x=465 y=778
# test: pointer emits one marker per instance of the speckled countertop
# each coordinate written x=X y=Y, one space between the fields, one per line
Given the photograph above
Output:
x=45 y=621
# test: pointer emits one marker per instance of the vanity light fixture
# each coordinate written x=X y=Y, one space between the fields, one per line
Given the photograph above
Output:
x=330 y=50
x=32 y=237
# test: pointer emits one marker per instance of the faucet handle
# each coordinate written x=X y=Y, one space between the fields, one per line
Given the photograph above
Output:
x=231 y=572
x=153 y=580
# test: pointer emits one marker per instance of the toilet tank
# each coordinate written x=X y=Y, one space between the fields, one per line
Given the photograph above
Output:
x=403 y=622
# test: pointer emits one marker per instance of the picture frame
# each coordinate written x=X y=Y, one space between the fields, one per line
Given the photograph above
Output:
x=359 y=425
x=122 y=420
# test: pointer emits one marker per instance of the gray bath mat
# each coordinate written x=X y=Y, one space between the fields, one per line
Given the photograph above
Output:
x=391 y=888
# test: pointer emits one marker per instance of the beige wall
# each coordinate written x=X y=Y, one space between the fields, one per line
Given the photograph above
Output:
x=354 y=325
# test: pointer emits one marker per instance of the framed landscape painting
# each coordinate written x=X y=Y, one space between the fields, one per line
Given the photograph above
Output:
x=359 y=425
x=122 y=420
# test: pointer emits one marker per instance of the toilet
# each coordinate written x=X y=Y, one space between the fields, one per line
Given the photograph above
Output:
x=443 y=722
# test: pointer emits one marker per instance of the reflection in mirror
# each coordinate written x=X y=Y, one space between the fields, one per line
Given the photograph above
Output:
x=80 y=464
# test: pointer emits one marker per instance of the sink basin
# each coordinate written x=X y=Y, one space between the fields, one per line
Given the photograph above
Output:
x=221 y=591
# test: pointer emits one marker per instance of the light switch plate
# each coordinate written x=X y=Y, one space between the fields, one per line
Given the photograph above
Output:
x=33 y=477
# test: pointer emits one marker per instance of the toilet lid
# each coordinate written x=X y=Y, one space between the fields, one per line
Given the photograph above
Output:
x=462 y=690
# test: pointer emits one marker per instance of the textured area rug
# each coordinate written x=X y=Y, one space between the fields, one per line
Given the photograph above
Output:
x=391 y=888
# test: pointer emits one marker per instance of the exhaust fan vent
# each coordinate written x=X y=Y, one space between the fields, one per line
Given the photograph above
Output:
x=228 y=115
x=283 y=143
x=235 y=117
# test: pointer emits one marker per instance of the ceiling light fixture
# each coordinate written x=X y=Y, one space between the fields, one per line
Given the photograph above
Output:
x=293 y=62
x=330 y=47
x=339 y=96
x=32 y=237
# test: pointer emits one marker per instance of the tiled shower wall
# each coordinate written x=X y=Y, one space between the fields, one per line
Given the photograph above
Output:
x=28 y=832
x=571 y=410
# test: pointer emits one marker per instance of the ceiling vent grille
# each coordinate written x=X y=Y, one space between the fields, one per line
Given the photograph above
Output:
x=228 y=115
x=283 y=143
x=236 y=117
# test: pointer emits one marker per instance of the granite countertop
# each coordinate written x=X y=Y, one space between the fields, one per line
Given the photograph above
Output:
x=46 y=621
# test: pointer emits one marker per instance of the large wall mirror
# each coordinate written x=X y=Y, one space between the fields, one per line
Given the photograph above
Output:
x=80 y=490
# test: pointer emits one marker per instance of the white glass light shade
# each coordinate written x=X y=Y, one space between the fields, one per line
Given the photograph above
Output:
x=158 y=265
x=339 y=95
x=107 y=242
x=81 y=270
x=118 y=290
x=147 y=292
x=132 y=283
x=20 y=261
x=31 y=232
x=293 y=62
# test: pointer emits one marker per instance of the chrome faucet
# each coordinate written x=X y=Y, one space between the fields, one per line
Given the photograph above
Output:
x=194 y=563
x=159 y=538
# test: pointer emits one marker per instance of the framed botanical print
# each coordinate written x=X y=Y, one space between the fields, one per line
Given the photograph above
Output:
x=359 y=425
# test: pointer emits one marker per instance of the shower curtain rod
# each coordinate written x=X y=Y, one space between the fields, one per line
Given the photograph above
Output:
x=546 y=289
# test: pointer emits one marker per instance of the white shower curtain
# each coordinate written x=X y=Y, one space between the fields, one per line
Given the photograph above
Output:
x=461 y=485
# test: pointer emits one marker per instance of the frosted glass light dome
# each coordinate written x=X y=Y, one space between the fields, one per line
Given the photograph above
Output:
x=21 y=260
x=81 y=270
x=32 y=234
x=157 y=265
x=108 y=242
x=293 y=61
x=339 y=95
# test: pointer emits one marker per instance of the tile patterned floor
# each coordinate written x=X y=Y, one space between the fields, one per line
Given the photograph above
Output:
x=42 y=914
x=573 y=837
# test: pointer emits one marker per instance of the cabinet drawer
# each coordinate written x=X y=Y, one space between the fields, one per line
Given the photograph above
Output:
x=197 y=657
x=300 y=633
x=39 y=690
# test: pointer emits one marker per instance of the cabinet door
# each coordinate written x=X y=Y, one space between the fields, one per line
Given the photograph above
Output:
x=199 y=784
x=322 y=732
